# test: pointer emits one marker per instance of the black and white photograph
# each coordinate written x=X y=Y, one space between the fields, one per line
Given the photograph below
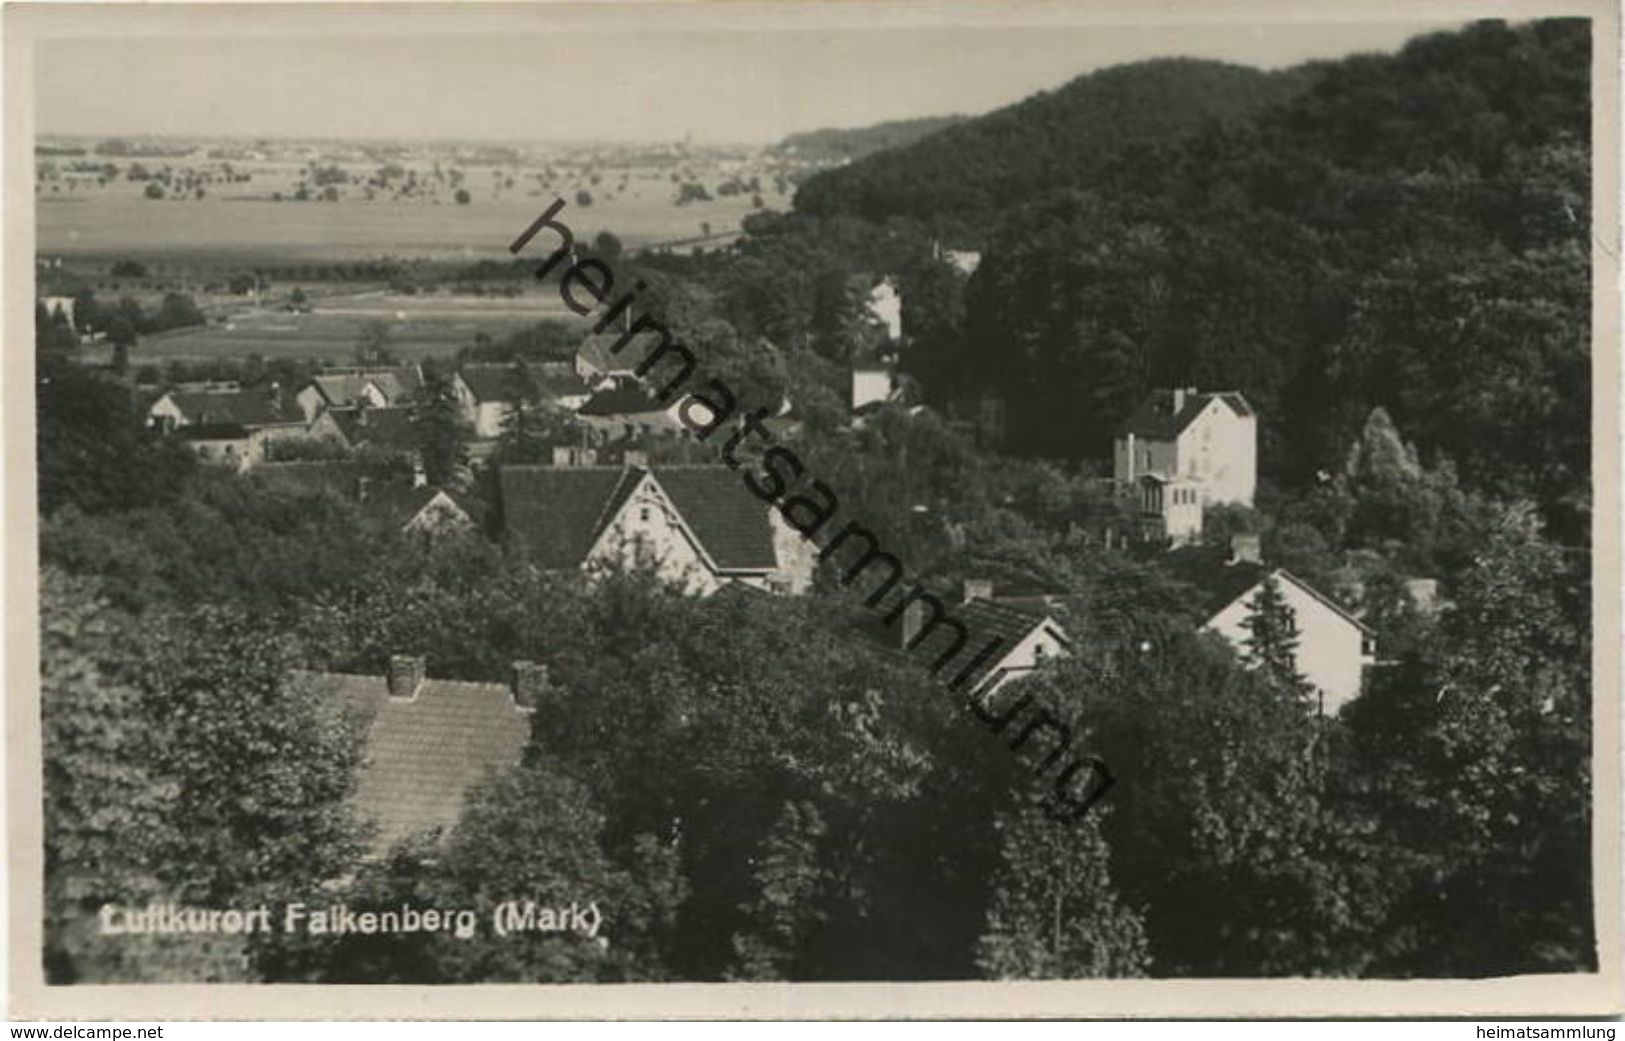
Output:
x=641 y=495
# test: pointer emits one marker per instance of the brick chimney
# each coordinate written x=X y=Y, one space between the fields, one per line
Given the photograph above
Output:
x=1245 y=549
x=363 y=486
x=420 y=476
x=405 y=676
x=529 y=685
x=978 y=589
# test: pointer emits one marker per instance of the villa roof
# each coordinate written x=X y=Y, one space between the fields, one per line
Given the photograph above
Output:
x=422 y=755
x=1157 y=419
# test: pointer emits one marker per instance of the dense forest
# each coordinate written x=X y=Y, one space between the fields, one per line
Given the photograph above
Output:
x=971 y=172
x=1387 y=255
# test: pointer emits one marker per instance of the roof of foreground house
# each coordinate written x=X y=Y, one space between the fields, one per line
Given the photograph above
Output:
x=1157 y=419
x=421 y=756
x=558 y=513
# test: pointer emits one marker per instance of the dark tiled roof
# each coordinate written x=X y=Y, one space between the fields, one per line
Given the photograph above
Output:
x=1209 y=571
x=399 y=504
x=1156 y=419
x=492 y=383
x=421 y=756
x=623 y=398
x=1219 y=582
x=342 y=387
x=557 y=513
x=984 y=620
x=383 y=427
x=730 y=522
x=246 y=408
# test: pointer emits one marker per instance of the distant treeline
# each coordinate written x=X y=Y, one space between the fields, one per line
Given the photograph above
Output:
x=833 y=144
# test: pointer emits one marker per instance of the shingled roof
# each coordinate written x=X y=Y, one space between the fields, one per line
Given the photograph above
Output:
x=730 y=522
x=625 y=397
x=1219 y=581
x=983 y=621
x=239 y=408
x=558 y=513
x=382 y=427
x=422 y=755
x=494 y=383
x=1157 y=419
x=343 y=387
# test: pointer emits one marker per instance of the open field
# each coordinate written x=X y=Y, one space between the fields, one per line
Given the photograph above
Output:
x=238 y=224
x=418 y=326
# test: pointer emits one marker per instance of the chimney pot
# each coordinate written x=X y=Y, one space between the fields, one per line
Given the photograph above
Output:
x=529 y=685
x=405 y=676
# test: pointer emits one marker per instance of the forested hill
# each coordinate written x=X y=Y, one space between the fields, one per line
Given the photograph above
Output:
x=1413 y=232
x=1054 y=139
x=835 y=144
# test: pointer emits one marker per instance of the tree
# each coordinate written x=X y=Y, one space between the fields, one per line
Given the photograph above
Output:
x=607 y=246
x=154 y=190
x=1272 y=637
x=441 y=431
x=1055 y=913
x=530 y=836
x=121 y=334
x=583 y=198
x=463 y=197
x=372 y=345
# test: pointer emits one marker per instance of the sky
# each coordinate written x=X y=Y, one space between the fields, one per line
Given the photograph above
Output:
x=615 y=72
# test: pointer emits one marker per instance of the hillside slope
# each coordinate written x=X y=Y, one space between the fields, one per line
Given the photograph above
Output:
x=1054 y=139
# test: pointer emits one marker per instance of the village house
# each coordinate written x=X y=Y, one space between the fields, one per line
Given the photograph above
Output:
x=1182 y=450
x=696 y=526
x=416 y=509
x=1334 y=648
x=597 y=361
x=426 y=742
x=225 y=425
x=384 y=429
x=400 y=504
x=1023 y=631
x=624 y=407
x=59 y=305
x=361 y=388
x=489 y=394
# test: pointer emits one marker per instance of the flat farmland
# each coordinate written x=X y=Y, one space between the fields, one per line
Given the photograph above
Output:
x=239 y=224
x=418 y=326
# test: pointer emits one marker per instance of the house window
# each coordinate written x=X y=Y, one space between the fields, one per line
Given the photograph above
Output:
x=643 y=514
